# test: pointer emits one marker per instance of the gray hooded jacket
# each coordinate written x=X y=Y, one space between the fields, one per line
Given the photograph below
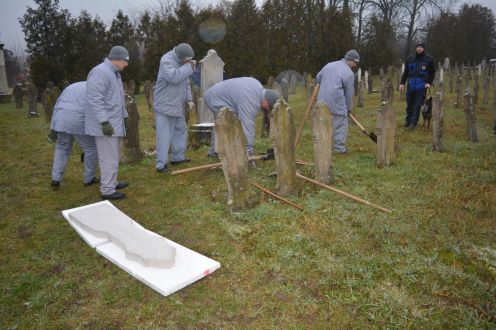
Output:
x=105 y=96
x=336 y=81
x=172 y=87
x=68 y=113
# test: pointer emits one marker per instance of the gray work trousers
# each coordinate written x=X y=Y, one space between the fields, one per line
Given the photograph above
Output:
x=63 y=150
x=340 y=132
x=172 y=132
x=108 y=159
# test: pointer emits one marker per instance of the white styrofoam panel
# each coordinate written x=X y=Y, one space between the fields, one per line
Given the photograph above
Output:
x=189 y=266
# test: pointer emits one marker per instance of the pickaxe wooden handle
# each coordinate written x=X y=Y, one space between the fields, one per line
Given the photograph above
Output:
x=307 y=112
x=371 y=135
x=282 y=199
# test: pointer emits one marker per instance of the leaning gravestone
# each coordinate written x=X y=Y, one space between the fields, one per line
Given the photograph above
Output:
x=32 y=93
x=212 y=72
x=322 y=139
x=230 y=144
x=282 y=134
x=132 y=152
x=147 y=89
x=18 y=94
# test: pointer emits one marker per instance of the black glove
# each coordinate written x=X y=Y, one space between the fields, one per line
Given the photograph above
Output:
x=107 y=129
x=126 y=123
x=52 y=136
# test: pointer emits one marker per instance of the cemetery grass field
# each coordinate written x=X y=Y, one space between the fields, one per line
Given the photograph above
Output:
x=339 y=264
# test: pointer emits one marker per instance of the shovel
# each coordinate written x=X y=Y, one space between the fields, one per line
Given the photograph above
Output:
x=371 y=135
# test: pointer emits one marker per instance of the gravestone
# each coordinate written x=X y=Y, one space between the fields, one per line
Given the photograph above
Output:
x=470 y=119
x=437 y=123
x=32 y=93
x=18 y=94
x=132 y=152
x=5 y=95
x=458 y=91
x=65 y=84
x=446 y=64
x=285 y=89
x=359 y=74
x=283 y=136
x=147 y=89
x=292 y=84
x=212 y=72
x=46 y=102
x=370 y=82
x=385 y=131
x=366 y=79
x=270 y=82
x=382 y=75
x=451 y=78
x=230 y=144
x=361 y=91
x=310 y=87
x=322 y=139
x=55 y=95
x=131 y=88
x=277 y=87
x=485 y=86
x=476 y=89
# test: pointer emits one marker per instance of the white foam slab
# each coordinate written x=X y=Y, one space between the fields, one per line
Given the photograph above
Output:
x=189 y=266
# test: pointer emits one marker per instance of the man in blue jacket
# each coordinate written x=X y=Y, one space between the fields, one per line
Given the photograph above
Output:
x=172 y=90
x=336 y=81
x=244 y=96
x=105 y=117
x=68 y=125
x=420 y=71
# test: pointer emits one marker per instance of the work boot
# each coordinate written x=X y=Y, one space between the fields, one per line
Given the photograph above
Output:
x=412 y=126
x=95 y=180
x=114 y=195
x=121 y=185
x=163 y=169
x=55 y=184
x=185 y=160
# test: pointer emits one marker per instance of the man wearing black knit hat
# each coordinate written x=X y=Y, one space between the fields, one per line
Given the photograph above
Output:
x=420 y=71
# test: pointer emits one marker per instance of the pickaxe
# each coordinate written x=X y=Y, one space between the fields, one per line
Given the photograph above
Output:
x=371 y=135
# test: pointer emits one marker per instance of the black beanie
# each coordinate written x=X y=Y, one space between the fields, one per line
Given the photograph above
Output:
x=420 y=44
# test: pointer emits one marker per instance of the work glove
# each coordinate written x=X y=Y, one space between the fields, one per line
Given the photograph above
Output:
x=107 y=129
x=52 y=136
x=126 y=123
x=191 y=106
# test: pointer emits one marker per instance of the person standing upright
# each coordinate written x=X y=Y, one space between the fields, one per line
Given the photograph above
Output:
x=105 y=117
x=336 y=81
x=172 y=90
x=420 y=71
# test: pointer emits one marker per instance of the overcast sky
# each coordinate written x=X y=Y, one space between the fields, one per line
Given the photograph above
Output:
x=11 y=10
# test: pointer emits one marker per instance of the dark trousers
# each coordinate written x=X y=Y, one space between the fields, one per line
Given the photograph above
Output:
x=414 y=100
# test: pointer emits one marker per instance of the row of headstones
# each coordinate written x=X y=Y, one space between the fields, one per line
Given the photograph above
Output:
x=49 y=97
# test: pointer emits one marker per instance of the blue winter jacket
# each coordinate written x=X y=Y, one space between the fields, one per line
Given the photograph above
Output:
x=172 y=88
x=243 y=96
x=336 y=81
x=105 y=96
x=419 y=70
x=68 y=113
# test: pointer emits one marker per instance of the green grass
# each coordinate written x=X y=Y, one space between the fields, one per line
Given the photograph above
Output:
x=338 y=264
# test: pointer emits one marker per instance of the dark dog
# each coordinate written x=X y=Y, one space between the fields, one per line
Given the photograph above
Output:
x=426 y=110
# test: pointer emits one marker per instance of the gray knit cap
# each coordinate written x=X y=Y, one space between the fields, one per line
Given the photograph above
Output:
x=118 y=53
x=271 y=96
x=184 y=51
x=352 y=55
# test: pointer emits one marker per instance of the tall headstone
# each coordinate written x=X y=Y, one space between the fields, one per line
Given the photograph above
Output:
x=18 y=94
x=212 y=72
x=5 y=95
x=132 y=152
x=230 y=144
x=470 y=116
x=370 y=82
x=322 y=139
x=385 y=131
x=361 y=91
x=46 y=102
x=437 y=123
x=32 y=92
x=476 y=89
x=131 y=88
x=283 y=136
x=366 y=79
x=446 y=64
x=359 y=74
x=147 y=89
x=458 y=91
x=285 y=89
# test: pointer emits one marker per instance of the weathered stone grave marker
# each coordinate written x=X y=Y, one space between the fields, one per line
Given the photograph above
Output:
x=322 y=140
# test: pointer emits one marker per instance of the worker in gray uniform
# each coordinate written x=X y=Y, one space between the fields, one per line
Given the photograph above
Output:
x=172 y=90
x=68 y=125
x=105 y=117
x=244 y=96
x=336 y=81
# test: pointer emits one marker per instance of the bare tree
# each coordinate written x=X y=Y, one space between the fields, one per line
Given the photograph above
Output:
x=359 y=8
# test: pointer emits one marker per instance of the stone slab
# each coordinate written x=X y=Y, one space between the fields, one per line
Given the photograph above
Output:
x=189 y=266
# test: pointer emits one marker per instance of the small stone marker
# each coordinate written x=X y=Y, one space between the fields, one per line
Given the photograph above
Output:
x=32 y=93
x=283 y=136
x=18 y=94
x=322 y=142
x=230 y=144
x=437 y=123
